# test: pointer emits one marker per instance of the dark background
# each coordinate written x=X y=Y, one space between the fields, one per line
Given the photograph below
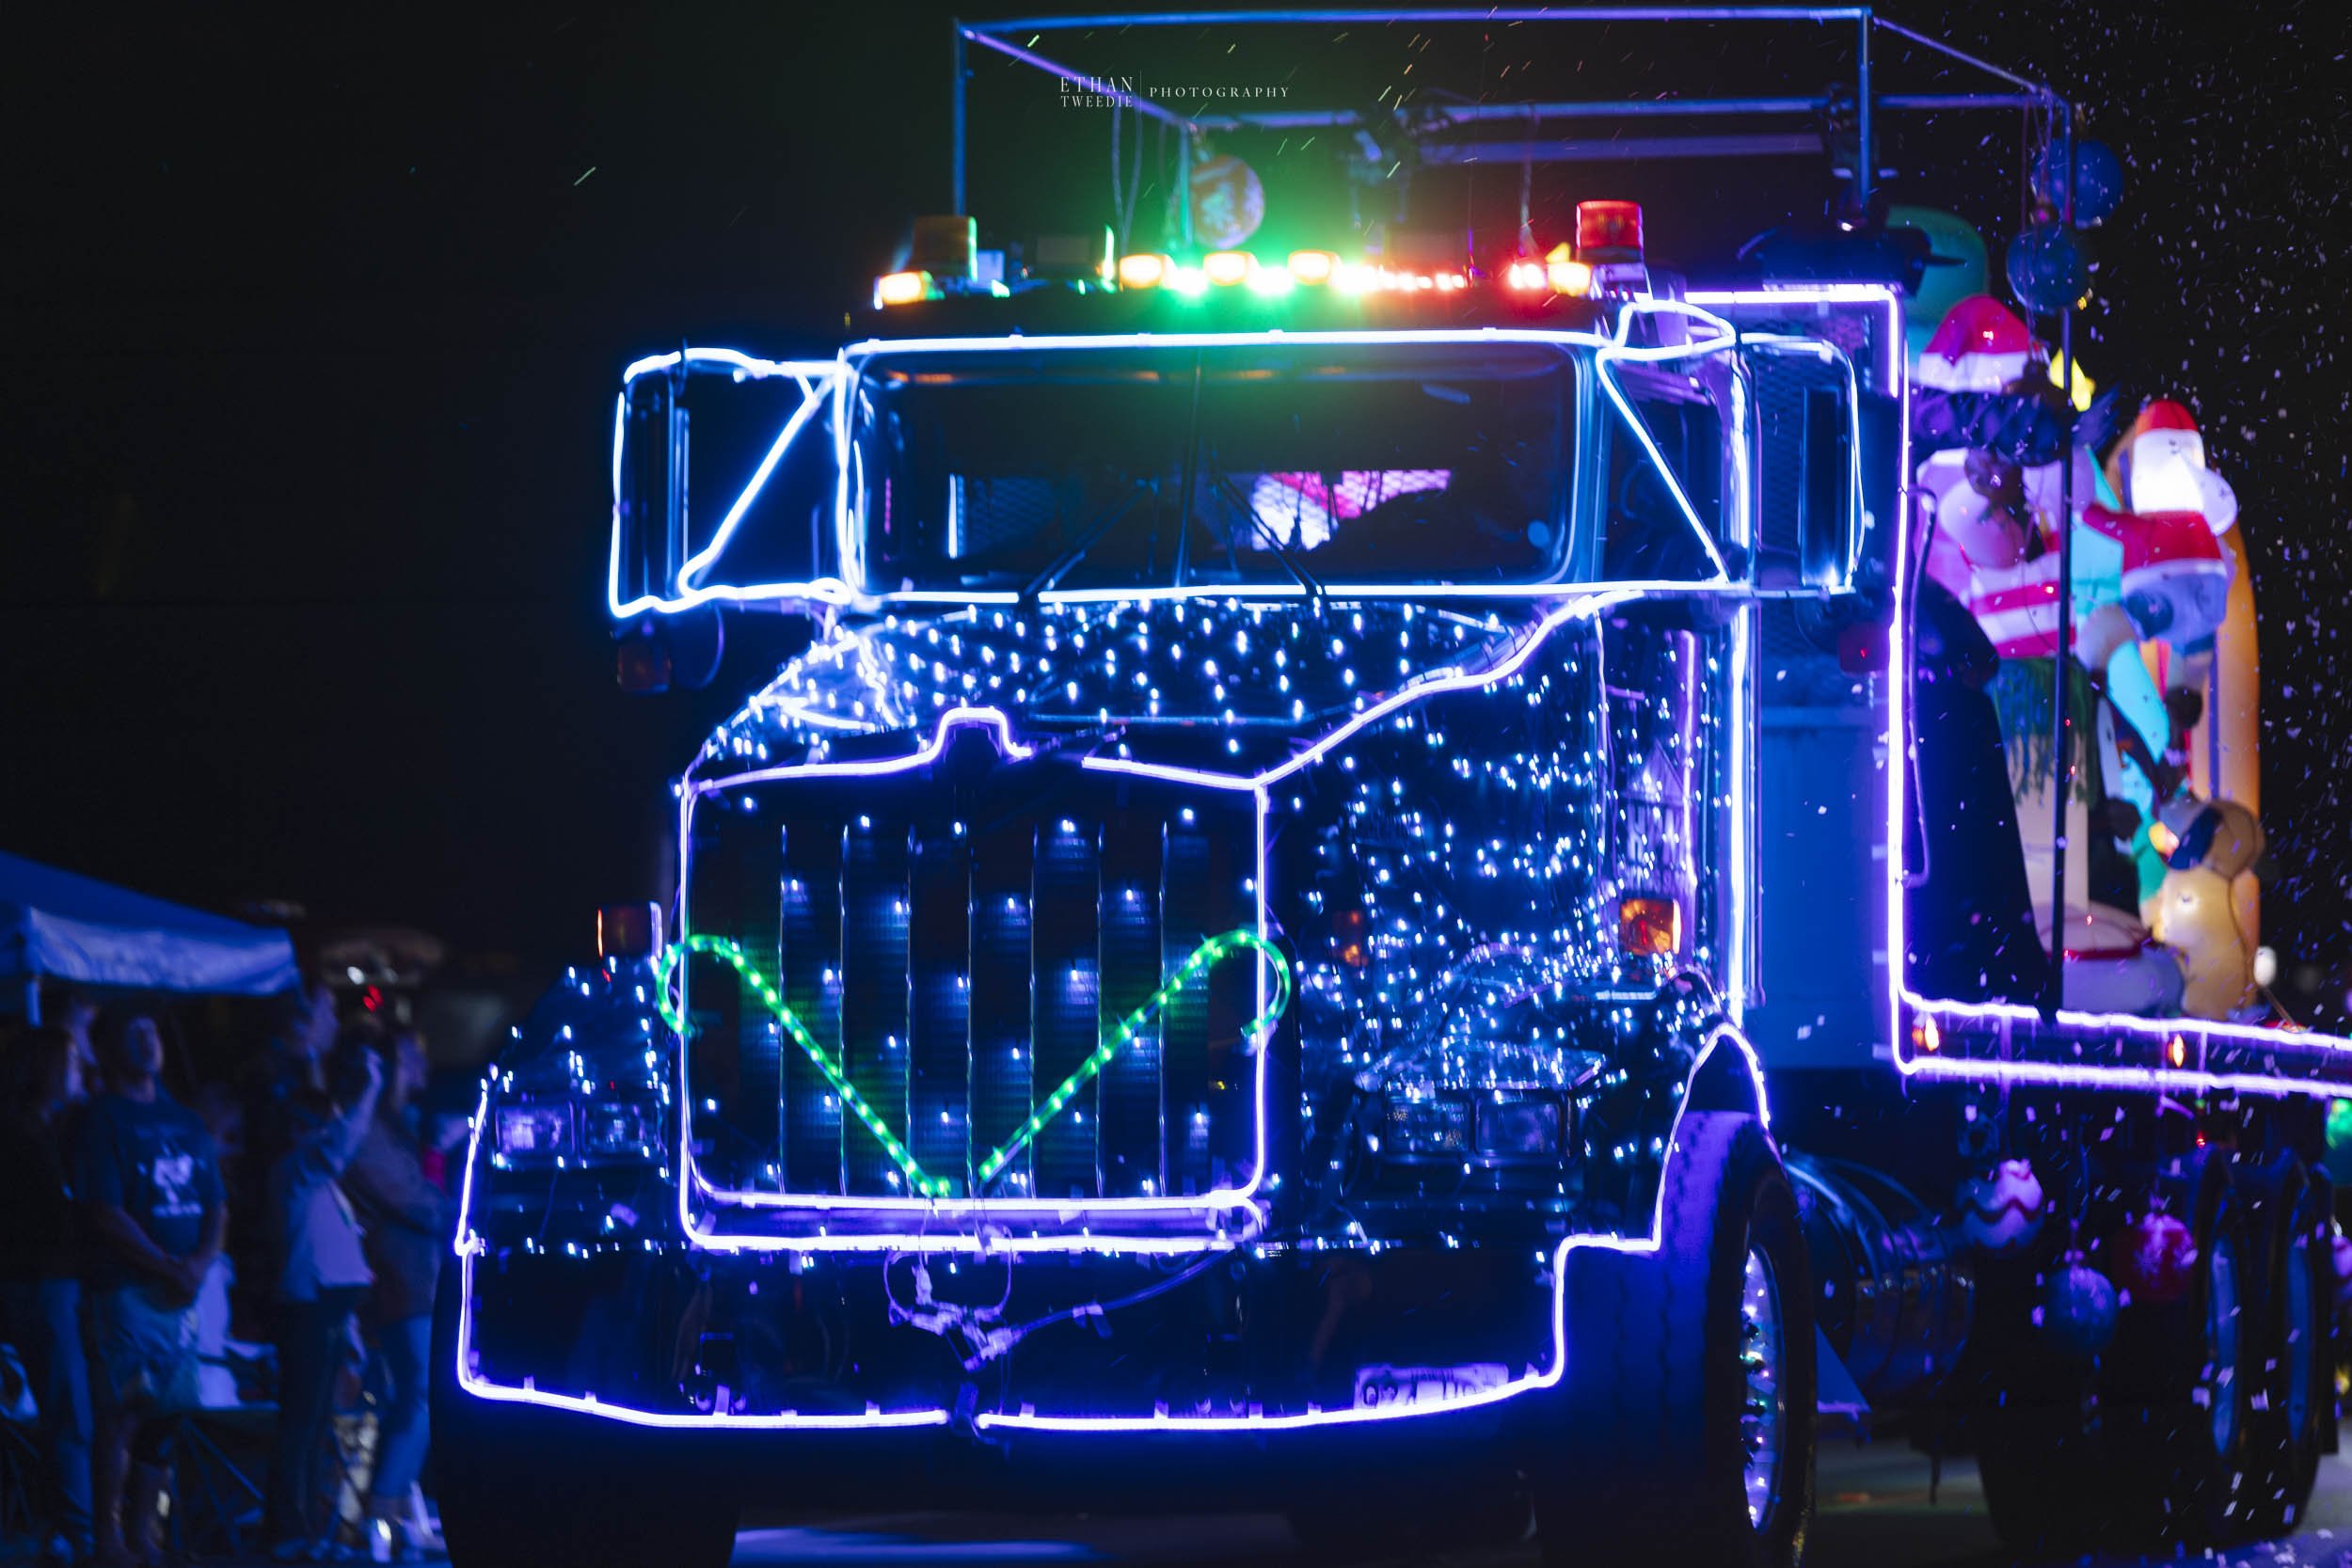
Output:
x=312 y=322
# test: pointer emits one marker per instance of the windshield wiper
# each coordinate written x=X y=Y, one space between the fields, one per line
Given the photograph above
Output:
x=1231 y=492
x=1043 y=582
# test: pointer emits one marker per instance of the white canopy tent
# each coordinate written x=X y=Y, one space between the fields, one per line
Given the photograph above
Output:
x=60 y=925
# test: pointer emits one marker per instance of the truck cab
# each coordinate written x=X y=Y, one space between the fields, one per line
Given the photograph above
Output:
x=1333 y=887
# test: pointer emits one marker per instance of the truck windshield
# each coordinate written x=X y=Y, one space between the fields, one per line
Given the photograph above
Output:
x=1119 y=469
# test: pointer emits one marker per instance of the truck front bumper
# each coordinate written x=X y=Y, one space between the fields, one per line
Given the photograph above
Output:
x=1247 y=1345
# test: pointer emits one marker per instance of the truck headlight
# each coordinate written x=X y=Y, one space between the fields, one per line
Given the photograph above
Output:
x=1511 y=1124
x=620 y=1129
x=537 y=1130
x=1433 y=1124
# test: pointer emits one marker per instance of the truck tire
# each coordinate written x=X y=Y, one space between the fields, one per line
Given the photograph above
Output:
x=561 y=1499
x=2176 y=1388
x=2041 y=1460
x=2295 y=1364
x=520 y=1487
x=1682 y=1430
x=2034 y=1432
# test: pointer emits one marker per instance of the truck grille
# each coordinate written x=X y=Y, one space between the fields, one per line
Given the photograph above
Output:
x=960 y=939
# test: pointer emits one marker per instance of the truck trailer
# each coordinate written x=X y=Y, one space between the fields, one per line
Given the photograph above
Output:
x=1390 y=887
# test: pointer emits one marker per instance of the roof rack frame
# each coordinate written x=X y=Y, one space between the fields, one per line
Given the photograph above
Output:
x=2026 y=93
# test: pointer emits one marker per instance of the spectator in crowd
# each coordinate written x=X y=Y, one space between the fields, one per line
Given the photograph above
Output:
x=325 y=1277
x=222 y=1111
x=280 y=1090
x=284 y=1088
x=78 y=1014
x=149 y=1179
x=41 y=1261
x=407 y=1221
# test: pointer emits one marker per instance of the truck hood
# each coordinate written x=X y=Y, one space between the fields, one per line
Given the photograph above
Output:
x=1229 y=684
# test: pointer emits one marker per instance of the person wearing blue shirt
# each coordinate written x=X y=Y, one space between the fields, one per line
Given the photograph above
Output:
x=149 y=1179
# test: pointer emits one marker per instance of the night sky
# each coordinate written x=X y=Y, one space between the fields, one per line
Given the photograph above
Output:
x=313 y=325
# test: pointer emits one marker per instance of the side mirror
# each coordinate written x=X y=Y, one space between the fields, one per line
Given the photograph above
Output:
x=649 y=493
x=749 y=520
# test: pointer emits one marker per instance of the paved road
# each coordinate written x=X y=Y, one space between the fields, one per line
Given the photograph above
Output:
x=1875 y=1512
x=1874 y=1503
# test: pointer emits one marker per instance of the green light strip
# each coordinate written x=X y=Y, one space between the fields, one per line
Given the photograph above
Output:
x=731 y=953
x=1203 y=956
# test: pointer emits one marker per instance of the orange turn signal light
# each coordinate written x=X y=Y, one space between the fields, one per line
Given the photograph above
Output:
x=1651 y=926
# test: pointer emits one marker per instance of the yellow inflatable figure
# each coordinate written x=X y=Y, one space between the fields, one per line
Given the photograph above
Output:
x=2199 y=912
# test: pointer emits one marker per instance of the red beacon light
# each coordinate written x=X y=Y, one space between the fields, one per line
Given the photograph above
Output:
x=1608 y=231
x=1609 y=242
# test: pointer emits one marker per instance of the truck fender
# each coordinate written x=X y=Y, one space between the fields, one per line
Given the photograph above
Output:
x=1728 y=1076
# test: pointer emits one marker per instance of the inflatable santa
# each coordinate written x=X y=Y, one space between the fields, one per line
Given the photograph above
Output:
x=2151 y=579
x=2151 y=572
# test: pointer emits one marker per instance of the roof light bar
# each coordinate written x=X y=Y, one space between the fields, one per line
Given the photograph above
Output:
x=1145 y=269
x=1567 y=275
x=904 y=288
x=1314 y=268
x=1226 y=268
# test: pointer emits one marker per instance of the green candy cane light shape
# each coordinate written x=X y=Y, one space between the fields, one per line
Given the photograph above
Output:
x=1203 y=958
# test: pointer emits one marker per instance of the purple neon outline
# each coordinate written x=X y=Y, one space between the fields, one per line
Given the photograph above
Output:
x=840 y=372
x=1446 y=678
x=1220 y=1201
x=812 y=399
x=1224 y=1203
x=1726 y=340
x=1900 y=996
x=746 y=366
x=1528 y=1382
x=950 y=719
x=468 y=1244
x=1616 y=346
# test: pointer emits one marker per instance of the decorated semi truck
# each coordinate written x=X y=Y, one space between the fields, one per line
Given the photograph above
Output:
x=1452 y=891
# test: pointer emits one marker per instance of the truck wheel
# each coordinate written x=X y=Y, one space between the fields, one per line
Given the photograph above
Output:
x=1682 y=1430
x=2035 y=1433
x=560 y=1498
x=2041 y=1461
x=519 y=1488
x=2296 y=1368
x=2177 y=1386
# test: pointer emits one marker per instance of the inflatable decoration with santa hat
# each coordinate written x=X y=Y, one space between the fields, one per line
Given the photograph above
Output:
x=2176 y=575
x=1979 y=382
x=2149 y=580
x=2162 y=467
x=2159 y=467
x=1981 y=346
